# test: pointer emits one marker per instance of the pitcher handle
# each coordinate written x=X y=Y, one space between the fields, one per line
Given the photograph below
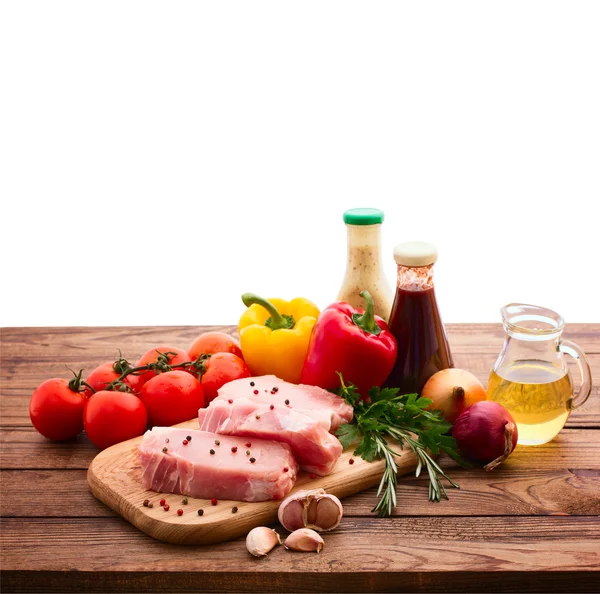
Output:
x=570 y=348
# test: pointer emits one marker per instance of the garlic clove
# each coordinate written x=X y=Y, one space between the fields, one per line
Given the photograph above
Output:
x=328 y=512
x=261 y=541
x=304 y=540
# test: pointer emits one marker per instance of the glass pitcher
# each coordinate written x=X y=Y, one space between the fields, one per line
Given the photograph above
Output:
x=531 y=378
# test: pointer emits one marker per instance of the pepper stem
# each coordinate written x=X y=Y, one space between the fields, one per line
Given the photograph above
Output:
x=367 y=321
x=276 y=320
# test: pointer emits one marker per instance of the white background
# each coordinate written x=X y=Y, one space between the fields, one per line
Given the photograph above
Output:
x=159 y=159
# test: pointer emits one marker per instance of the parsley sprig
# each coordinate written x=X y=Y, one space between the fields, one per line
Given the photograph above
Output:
x=403 y=419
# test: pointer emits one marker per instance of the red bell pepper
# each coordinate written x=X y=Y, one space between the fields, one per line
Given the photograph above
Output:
x=353 y=342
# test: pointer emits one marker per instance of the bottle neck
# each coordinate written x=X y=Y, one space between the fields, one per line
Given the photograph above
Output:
x=364 y=245
x=415 y=278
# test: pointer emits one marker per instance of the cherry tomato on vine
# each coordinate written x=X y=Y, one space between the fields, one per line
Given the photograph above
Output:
x=56 y=410
x=221 y=368
x=152 y=355
x=172 y=397
x=111 y=417
x=214 y=342
x=105 y=374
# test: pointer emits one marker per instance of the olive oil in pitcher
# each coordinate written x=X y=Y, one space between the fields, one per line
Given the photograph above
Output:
x=537 y=394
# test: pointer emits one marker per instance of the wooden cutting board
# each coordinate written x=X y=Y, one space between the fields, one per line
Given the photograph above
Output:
x=114 y=477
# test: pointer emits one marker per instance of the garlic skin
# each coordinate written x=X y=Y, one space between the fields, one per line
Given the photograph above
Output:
x=313 y=509
x=304 y=540
x=261 y=541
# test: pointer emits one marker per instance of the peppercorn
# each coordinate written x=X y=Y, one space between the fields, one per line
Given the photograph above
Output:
x=234 y=449
x=234 y=510
x=272 y=406
x=166 y=507
x=287 y=401
x=285 y=469
x=167 y=440
x=163 y=501
x=230 y=401
x=212 y=452
x=252 y=384
x=189 y=438
x=351 y=461
x=184 y=501
x=255 y=391
x=146 y=502
x=200 y=512
x=151 y=504
x=313 y=475
x=275 y=389
x=248 y=445
x=213 y=501
x=252 y=460
x=164 y=450
x=217 y=442
x=180 y=512
x=247 y=452
x=257 y=417
x=185 y=442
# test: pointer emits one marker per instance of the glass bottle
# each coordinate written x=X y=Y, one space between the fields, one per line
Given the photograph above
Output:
x=415 y=320
x=363 y=268
x=531 y=378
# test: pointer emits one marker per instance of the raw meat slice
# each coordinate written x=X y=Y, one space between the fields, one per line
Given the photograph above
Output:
x=312 y=400
x=315 y=449
x=268 y=472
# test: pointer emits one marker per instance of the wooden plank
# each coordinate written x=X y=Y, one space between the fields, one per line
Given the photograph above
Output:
x=575 y=492
x=27 y=449
x=114 y=477
x=412 y=554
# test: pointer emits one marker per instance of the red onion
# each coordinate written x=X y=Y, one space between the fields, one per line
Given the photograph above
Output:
x=486 y=433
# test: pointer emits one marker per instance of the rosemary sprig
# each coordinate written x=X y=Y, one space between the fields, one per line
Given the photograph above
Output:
x=403 y=419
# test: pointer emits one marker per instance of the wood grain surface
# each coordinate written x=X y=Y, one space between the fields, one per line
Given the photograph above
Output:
x=532 y=524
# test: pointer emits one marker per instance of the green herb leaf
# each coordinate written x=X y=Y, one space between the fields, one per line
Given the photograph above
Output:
x=404 y=420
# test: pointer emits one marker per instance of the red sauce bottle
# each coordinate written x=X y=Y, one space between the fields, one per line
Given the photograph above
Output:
x=415 y=320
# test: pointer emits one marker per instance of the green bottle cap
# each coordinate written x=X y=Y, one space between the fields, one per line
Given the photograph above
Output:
x=363 y=216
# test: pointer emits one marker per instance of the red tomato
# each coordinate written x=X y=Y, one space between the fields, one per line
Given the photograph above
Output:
x=103 y=375
x=172 y=397
x=152 y=355
x=214 y=342
x=220 y=369
x=56 y=411
x=111 y=417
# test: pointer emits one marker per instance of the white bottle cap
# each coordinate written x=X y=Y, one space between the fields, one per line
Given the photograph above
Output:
x=415 y=253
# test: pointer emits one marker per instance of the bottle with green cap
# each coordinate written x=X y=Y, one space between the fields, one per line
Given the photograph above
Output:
x=363 y=268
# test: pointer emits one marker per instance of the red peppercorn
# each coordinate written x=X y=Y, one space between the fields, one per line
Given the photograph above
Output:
x=256 y=391
x=234 y=449
x=166 y=507
x=313 y=475
x=213 y=501
x=285 y=469
x=162 y=501
x=275 y=389
x=146 y=502
x=248 y=445
x=185 y=442
x=351 y=461
x=230 y=401
x=272 y=406
x=180 y=512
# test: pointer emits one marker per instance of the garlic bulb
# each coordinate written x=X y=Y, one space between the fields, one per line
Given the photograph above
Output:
x=314 y=509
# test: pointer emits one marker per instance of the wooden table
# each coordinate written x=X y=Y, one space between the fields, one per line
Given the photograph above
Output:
x=532 y=524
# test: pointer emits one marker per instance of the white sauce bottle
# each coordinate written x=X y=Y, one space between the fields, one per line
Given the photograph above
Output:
x=363 y=268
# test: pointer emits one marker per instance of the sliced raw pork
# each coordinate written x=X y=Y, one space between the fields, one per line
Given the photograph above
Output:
x=269 y=408
x=311 y=400
x=169 y=465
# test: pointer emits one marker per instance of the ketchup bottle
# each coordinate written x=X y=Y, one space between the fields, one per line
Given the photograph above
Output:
x=415 y=320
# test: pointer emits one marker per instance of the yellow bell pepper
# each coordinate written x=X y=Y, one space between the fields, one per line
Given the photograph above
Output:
x=274 y=335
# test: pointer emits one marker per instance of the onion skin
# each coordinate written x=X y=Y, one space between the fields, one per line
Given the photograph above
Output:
x=486 y=433
x=453 y=391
